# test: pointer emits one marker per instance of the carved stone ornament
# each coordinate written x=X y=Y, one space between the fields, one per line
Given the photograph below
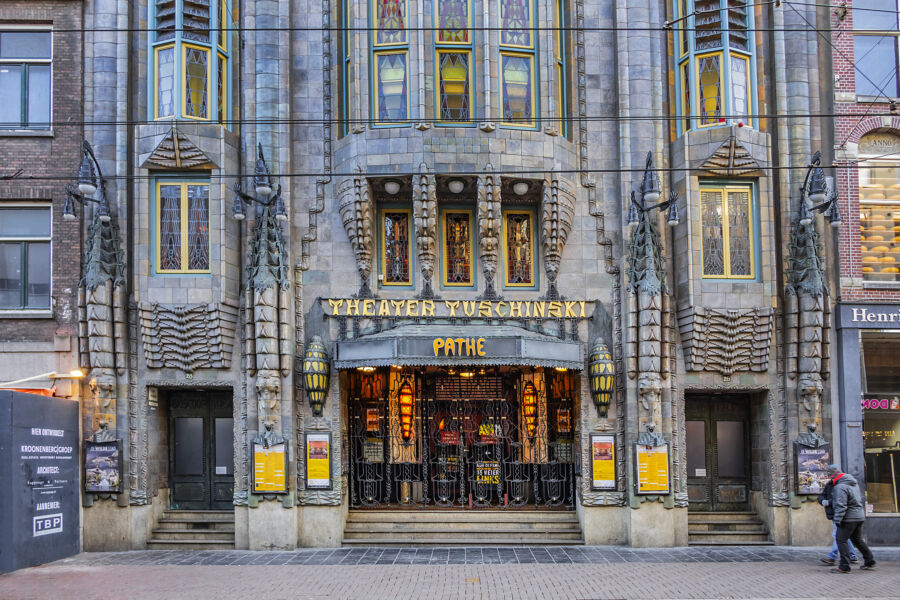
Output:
x=557 y=215
x=489 y=225
x=426 y=218
x=726 y=341
x=188 y=337
x=732 y=159
x=358 y=216
x=176 y=151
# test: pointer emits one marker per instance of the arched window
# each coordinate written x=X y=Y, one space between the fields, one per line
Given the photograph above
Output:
x=190 y=48
x=714 y=63
x=518 y=44
x=390 y=62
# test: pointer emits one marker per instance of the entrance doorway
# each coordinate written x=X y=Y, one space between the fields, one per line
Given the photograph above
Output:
x=718 y=452
x=201 y=450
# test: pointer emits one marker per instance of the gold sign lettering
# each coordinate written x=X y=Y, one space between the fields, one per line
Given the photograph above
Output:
x=458 y=346
x=440 y=309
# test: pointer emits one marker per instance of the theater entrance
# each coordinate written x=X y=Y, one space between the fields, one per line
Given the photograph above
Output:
x=483 y=438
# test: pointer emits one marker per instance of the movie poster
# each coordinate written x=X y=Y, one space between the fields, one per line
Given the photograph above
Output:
x=812 y=468
x=603 y=462
x=102 y=467
x=268 y=469
x=318 y=460
x=652 y=463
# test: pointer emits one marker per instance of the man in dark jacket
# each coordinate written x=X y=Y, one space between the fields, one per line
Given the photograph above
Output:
x=826 y=499
x=849 y=517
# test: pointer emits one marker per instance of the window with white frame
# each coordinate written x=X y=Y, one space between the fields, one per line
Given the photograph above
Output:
x=715 y=63
x=25 y=257
x=876 y=34
x=190 y=51
x=25 y=79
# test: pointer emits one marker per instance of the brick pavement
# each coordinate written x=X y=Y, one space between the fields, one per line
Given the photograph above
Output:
x=441 y=573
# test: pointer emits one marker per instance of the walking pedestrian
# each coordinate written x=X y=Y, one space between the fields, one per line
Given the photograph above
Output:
x=849 y=517
x=826 y=499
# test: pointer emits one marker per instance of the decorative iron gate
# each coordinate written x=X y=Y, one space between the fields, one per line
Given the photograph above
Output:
x=496 y=439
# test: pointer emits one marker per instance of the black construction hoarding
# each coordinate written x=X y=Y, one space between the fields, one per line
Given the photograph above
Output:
x=39 y=471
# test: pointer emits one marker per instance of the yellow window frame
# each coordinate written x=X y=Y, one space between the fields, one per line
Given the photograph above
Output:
x=697 y=59
x=531 y=9
x=558 y=40
x=183 y=215
x=373 y=6
x=382 y=257
x=223 y=25
x=209 y=95
x=681 y=26
x=531 y=221
x=437 y=26
x=375 y=95
x=470 y=215
x=687 y=98
x=156 y=51
x=528 y=124
x=471 y=82
x=223 y=115
x=726 y=234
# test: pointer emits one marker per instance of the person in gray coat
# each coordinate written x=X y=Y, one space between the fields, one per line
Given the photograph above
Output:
x=849 y=517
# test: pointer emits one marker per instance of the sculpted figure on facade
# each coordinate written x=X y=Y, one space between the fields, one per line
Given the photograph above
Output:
x=358 y=216
x=489 y=228
x=426 y=217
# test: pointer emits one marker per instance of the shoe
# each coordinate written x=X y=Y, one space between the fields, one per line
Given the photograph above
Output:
x=871 y=567
x=828 y=561
x=854 y=560
x=841 y=571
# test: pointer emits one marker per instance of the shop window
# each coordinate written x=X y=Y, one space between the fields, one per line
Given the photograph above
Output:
x=561 y=60
x=396 y=247
x=876 y=36
x=458 y=267
x=517 y=57
x=390 y=42
x=453 y=42
x=182 y=227
x=191 y=50
x=25 y=79
x=879 y=220
x=343 y=79
x=728 y=234
x=881 y=421
x=518 y=248
x=714 y=65
x=25 y=257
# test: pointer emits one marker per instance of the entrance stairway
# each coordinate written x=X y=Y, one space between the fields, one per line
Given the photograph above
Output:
x=461 y=528
x=193 y=530
x=735 y=528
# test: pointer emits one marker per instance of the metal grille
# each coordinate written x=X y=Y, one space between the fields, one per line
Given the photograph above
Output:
x=707 y=24
x=196 y=20
x=470 y=448
x=518 y=249
x=396 y=247
x=165 y=20
x=737 y=24
x=459 y=248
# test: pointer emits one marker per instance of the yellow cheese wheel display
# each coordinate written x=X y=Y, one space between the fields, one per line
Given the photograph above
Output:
x=875 y=238
x=890 y=270
x=896 y=249
x=880 y=249
x=870 y=259
x=877 y=228
x=863 y=249
x=887 y=259
x=868 y=270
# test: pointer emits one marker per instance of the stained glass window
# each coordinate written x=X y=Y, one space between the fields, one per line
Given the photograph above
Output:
x=457 y=249
x=715 y=65
x=727 y=232
x=452 y=21
x=455 y=92
x=191 y=52
x=196 y=75
x=515 y=23
x=395 y=234
x=710 y=90
x=390 y=23
x=517 y=90
x=392 y=96
x=183 y=228
x=519 y=248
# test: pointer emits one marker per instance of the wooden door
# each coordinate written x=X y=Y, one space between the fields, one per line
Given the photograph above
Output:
x=718 y=452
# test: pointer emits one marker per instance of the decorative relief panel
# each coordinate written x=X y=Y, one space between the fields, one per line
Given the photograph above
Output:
x=190 y=337
x=176 y=151
x=726 y=341
x=557 y=216
x=731 y=159
x=358 y=216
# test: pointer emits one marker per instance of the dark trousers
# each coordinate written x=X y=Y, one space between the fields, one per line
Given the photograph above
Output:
x=852 y=531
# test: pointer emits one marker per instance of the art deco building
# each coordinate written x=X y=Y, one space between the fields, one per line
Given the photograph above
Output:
x=518 y=271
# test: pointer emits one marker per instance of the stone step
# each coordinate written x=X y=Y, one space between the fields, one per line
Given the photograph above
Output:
x=534 y=536
x=462 y=541
x=195 y=525
x=729 y=543
x=199 y=515
x=732 y=537
x=190 y=544
x=722 y=516
x=192 y=534
x=506 y=527
x=460 y=516
x=704 y=526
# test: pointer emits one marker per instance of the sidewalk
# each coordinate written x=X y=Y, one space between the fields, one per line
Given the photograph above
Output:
x=442 y=573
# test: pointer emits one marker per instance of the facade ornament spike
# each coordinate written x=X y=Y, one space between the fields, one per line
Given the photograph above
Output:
x=426 y=218
x=489 y=226
x=557 y=215
x=358 y=216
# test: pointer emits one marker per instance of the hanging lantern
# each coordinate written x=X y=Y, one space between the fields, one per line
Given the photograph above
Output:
x=405 y=402
x=315 y=373
x=601 y=373
x=529 y=408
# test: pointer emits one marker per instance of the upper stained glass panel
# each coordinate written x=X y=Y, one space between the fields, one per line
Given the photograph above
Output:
x=390 y=22
x=515 y=23
x=453 y=21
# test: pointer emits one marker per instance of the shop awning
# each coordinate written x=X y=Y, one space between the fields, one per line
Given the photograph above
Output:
x=440 y=345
